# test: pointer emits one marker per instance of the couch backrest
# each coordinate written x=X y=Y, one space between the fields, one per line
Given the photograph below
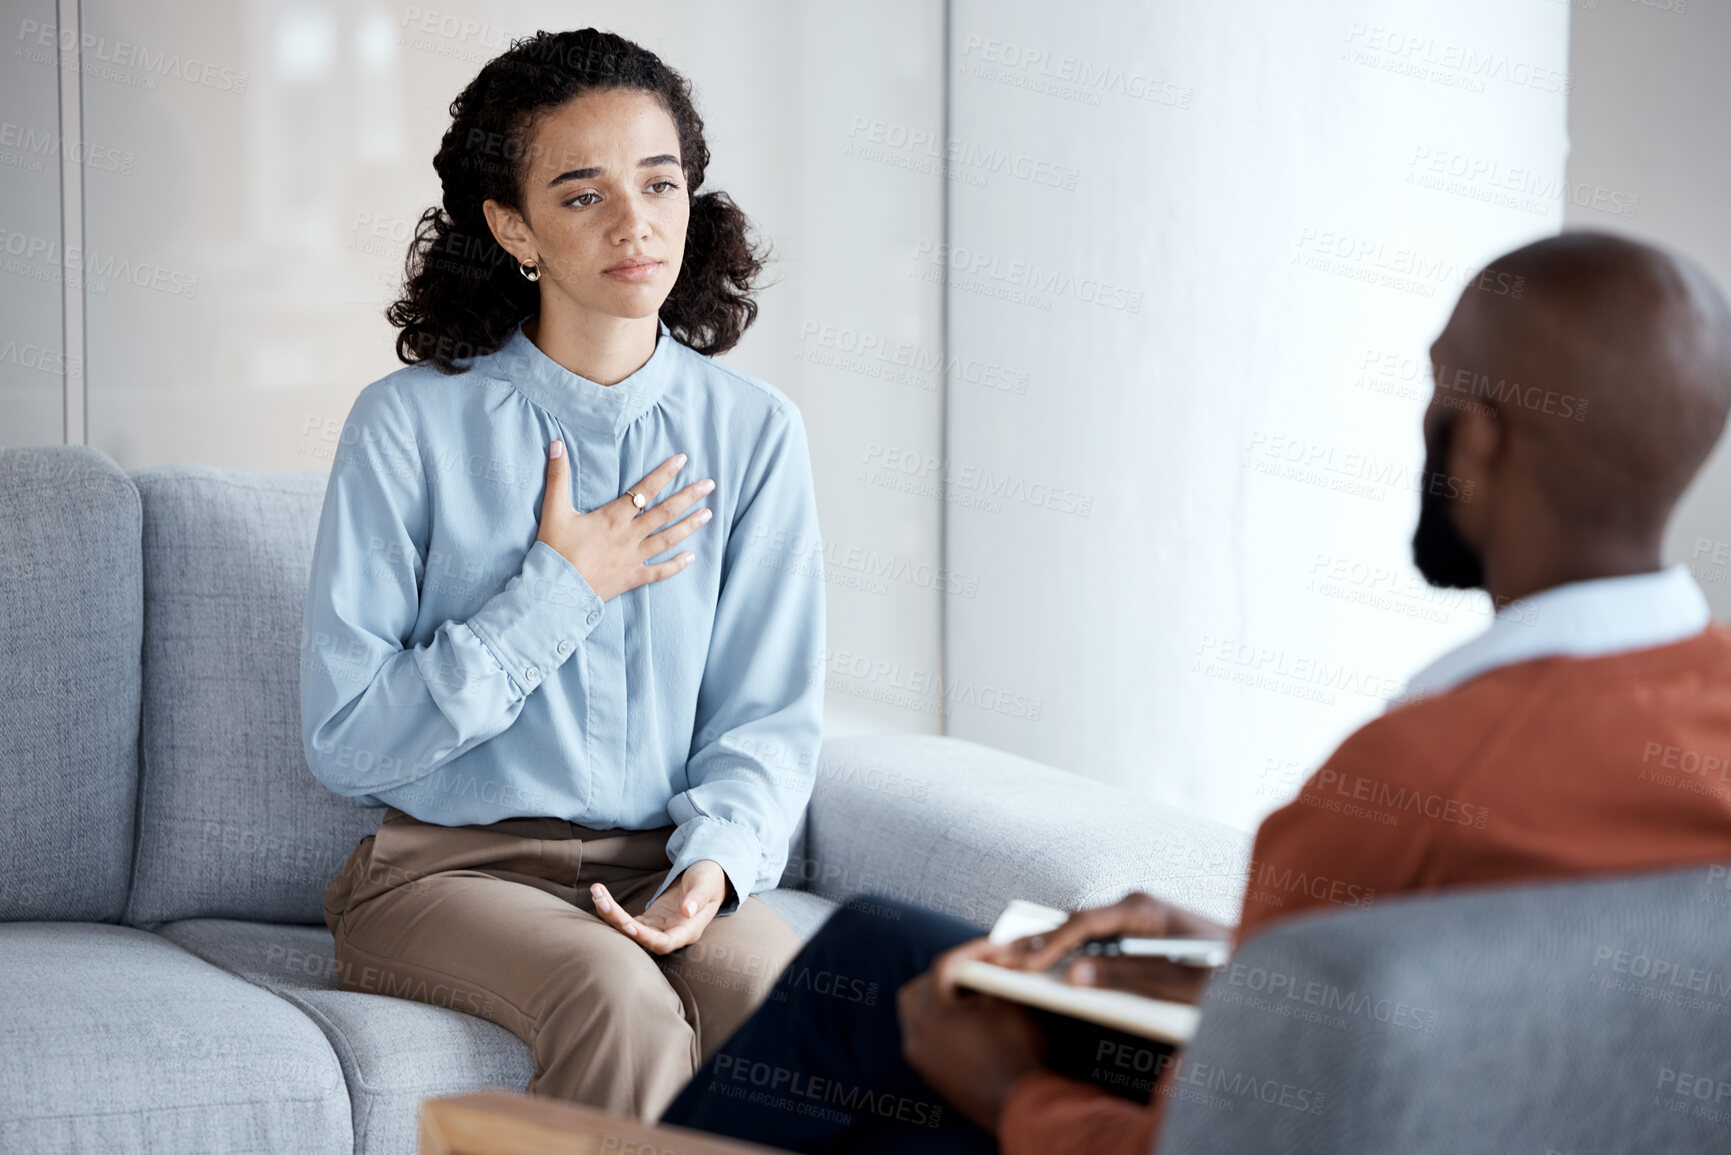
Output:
x=70 y=600
x=231 y=823
x=1567 y=1017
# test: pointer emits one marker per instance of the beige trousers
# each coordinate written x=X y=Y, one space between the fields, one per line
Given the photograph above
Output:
x=496 y=921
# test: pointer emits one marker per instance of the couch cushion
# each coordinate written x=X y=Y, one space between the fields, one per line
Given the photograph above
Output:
x=1581 y=1016
x=281 y=958
x=117 y=1040
x=231 y=821
x=70 y=613
x=394 y=1052
x=804 y=911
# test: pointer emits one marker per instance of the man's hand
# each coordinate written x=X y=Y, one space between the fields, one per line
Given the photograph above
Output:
x=969 y=1047
x=1138 y=915
x=678 y=917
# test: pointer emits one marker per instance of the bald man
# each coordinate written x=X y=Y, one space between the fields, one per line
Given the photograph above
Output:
x=1564 y=426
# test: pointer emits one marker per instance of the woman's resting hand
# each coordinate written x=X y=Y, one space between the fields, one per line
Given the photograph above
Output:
x=678 y=917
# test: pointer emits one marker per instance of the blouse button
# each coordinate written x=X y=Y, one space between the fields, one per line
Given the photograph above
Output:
x=532 y=673
x=564 y=647
x=594 y=616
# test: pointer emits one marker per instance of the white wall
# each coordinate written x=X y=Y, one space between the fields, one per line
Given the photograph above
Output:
x=32 y=360
x=1650 y=156
x=1255 y=180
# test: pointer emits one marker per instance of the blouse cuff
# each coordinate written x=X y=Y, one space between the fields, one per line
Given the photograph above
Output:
x=539 y=618
x=728 y=843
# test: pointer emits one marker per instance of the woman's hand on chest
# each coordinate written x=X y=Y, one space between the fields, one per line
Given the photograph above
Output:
x=610 y=544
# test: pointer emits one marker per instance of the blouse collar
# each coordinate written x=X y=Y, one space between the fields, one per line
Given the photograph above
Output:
x=578 y=401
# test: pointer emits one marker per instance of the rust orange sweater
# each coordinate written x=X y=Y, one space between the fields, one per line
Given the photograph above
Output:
x=1549 y=768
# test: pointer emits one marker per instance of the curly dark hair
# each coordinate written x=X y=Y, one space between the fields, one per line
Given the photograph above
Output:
x=462 y=293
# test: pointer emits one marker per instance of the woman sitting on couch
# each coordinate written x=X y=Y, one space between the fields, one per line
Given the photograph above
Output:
x=590 y=759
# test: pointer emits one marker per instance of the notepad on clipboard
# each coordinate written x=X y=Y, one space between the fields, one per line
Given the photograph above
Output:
x=1157 y=1019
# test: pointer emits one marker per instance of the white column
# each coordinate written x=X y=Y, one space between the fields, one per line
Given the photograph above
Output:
x=1197 y=276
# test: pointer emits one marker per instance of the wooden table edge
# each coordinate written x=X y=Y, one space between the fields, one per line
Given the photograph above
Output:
x=512 y=1123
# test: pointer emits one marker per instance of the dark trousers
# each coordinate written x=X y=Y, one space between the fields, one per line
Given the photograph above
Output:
x=818 y=1066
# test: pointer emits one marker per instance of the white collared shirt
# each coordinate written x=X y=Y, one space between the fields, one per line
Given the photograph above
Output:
x=1585 y=619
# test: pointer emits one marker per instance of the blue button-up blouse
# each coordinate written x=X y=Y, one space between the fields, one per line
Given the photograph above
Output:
x=462 y=671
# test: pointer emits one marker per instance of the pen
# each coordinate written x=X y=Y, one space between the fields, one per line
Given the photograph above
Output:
x=1198 y=952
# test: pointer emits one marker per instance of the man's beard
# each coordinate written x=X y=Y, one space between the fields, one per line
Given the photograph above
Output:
x=1442 y=555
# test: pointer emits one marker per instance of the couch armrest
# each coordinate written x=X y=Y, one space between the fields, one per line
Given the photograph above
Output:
x=963 y=828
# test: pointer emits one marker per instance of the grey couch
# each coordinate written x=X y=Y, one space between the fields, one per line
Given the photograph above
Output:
x=166 y=978
x=167 y=983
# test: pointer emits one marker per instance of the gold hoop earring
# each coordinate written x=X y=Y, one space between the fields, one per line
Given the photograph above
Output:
x=530 y=270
